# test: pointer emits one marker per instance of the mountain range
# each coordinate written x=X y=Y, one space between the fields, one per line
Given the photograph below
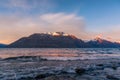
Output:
x=2 y=45
x=60 y=40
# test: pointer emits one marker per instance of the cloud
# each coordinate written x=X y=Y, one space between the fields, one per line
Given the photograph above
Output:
x=14 y=27
x=110 y=33
x=63 y=22
x=28 y=5
x=18 y=4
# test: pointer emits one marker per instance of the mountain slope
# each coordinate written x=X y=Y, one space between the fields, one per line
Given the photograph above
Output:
x=48 y=41
x=2 y=45
x=60 y=40
x=101 y=43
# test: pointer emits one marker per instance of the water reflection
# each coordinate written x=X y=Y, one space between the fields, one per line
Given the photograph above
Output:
x=65 y=53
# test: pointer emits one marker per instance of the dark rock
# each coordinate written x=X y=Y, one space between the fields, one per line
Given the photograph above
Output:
x=26 y=58
x=100 y=65
x=80 y=71
x=41 y=76
x=26 y=78
x=64 y=72
x=114 y=67
x=59 y=77
x=111 y=77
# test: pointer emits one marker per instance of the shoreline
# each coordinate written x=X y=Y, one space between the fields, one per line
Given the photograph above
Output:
x=97 y=69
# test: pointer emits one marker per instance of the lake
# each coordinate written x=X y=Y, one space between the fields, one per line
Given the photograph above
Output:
x=27 y=63
x=62 y=53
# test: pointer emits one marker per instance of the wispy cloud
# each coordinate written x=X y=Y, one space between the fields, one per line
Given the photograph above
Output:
x=16 y=27
x=28 y=6
x=112 y=33
x=63 y=22
x=18 y=4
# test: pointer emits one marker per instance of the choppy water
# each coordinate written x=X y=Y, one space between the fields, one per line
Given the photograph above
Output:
x=16 y=68
x=62 y=54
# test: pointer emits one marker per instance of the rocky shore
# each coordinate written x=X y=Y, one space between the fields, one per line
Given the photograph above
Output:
x=99 y=69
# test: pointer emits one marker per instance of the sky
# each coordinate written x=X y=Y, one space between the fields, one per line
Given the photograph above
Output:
x=85 y=19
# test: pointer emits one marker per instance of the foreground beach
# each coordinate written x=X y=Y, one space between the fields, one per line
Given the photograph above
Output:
x=36 y=68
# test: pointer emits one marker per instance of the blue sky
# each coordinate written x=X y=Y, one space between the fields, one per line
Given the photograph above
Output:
x=83 y=18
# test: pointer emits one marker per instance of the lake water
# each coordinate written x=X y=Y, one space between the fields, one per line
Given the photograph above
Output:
x=17 y=68
x=62 y=53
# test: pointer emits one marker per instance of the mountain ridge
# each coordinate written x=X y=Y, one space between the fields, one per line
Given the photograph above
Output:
x=60 y=40
x=2 y=45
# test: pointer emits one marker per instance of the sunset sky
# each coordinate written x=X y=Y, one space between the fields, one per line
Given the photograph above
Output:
x=84 y=18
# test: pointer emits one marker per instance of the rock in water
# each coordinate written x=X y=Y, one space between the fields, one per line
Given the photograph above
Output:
x=111 y=77
x=80 y=71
